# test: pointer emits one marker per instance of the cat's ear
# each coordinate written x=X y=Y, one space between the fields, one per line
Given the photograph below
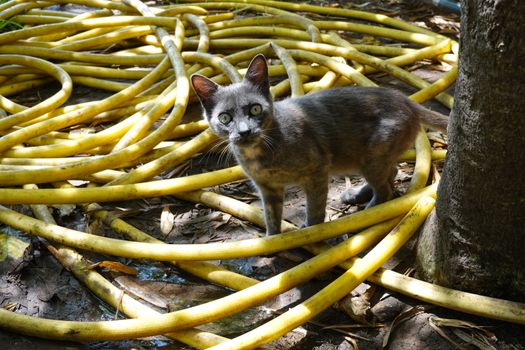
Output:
x=204 y=87
x=257 y=74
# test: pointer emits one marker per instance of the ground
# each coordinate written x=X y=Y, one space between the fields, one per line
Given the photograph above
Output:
x=370 y=317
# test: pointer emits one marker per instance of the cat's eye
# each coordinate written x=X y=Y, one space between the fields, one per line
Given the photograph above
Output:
x=255 y=109
x=225 y=118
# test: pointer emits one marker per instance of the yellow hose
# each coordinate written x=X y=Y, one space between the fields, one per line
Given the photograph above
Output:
x=338 y=288
x=144 y=326
x=210 y=251
x=48 y=105
x=104 y=289
x=120 y=192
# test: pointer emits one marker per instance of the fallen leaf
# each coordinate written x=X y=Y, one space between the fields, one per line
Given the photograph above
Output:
x=96 y=227
x=402 y=317
x=15 y=252
x=64 y=209
x=11 y=307
x=114 y=266
x=166 y=221
x=475 y=339
x=450 y=322
x=170 y=295
x=357 y=307
x=444 y=335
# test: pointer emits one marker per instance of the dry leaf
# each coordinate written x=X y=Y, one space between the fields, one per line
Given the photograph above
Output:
x=214 y=216
x=402 y=317
x=114 y=266
x=450 y=322
x=11 y=307
x=476 y=339
x=13 y=247
x=357 y=307
x=140 y=289
x=96 y=227
x=444 y=335
x=64 y=209
x=77 y=183
x=15 y=253
x=479 y=337
x=170 y=295
x=166 y=221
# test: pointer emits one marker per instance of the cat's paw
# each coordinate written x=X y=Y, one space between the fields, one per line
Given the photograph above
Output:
x=310 y=222
x=355 y=196
x=271 y=232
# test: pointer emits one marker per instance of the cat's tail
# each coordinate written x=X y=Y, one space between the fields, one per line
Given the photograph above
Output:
x=432 y=119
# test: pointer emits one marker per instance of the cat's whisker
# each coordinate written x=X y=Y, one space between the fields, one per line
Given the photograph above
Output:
x=224 y=157
x=230 y=157
x=268 y=142
x=224 y=154
x=213 y=149
x=210 y=152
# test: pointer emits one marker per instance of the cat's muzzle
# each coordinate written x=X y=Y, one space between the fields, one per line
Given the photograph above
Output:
x=245 y=138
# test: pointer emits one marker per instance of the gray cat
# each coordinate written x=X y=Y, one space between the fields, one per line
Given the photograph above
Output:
x=302 y=140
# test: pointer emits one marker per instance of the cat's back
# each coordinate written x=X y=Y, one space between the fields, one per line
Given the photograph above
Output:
x=353 y=122
x=351 y=103
x=362 y=111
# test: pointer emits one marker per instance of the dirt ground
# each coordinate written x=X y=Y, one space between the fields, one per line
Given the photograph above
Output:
x=35 y=284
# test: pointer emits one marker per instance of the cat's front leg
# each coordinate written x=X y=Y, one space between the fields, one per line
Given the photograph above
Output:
x=316 y=194
x=272 y=198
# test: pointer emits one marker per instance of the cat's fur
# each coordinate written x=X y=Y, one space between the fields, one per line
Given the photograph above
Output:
x=302 y=140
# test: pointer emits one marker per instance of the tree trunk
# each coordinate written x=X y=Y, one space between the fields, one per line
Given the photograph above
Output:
x=475 y=238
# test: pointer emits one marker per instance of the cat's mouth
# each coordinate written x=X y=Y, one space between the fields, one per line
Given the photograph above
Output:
x=246 y=140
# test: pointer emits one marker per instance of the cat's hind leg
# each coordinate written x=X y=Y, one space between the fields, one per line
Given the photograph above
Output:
x=366 y=192
x=380 y=179
x=316 y=194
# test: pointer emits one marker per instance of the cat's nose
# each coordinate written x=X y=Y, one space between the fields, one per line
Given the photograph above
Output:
x=244 y=133
x=244 y=129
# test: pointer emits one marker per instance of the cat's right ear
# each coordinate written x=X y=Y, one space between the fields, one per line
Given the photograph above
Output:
x=257 y=74
x=204 y=88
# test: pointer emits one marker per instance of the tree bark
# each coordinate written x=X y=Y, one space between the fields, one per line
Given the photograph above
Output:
x=475 y=238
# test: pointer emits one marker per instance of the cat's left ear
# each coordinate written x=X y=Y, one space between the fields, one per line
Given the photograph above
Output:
x=257 y=74
x=204 y=87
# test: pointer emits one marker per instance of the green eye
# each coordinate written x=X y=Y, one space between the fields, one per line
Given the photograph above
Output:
x=225 y=118
x=255 y=109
